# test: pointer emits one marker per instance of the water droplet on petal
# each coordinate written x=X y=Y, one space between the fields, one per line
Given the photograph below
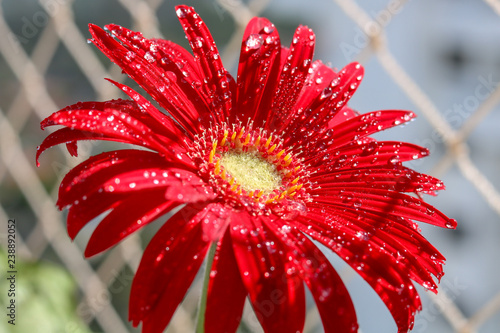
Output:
x=254 y=41
x=149 y=58
x=269 y=29
x=181 y=12
x=325 y=293
x=198 y=42
x=427 y=285
x=450 y=224
x=394 y=159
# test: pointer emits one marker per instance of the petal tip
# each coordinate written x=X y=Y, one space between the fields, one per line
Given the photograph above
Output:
x=451 y=224
x=183 y=10
x=92 y=27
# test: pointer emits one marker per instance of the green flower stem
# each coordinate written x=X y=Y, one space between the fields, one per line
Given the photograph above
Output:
x=200 y=327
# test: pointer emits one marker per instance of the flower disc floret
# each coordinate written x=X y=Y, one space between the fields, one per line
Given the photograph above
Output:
x=246 y=163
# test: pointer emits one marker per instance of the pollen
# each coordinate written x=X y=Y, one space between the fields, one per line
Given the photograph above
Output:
x=251 y=171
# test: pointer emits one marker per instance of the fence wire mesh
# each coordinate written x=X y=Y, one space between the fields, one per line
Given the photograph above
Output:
x=46 y=64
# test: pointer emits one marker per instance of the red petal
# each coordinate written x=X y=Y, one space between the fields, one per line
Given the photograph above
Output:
x=226 y=292
x=319 y=78
x=179 y=191
x=149 y=177
x=383 y=272
x=145 y=71
x=368 y=124
x=331 y=296
x=216 y=220
x=92 y=205
x=183 y=60
x=278 y=299
x=403 y=230
x=110 y=120
x=131 y=214
x=90 y=175
x=365 y=154
x=292 y=78
x=345 y=114
x=218 y=82
x=69 y=136
x=397 y=178
x=419 y=259
x=168 y=266
x=130 y=172
x=258 y=70
x=332 y=99
x=174 y=62
x=160 y=123
x=355 y=129
x=362 y=126
x=387 y=202
x=72 y=148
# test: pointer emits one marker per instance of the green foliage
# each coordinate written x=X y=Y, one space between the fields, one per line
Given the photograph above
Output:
x=44 y=299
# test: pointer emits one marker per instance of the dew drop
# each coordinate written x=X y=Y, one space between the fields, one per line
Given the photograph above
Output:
x=181 y=12
x=254 y=41
x=394 y=159
x=450 y=224
x=149 y=58
x=269 y=29
x=427 y=285
x=198 y=42
x=325 y=294
x=327 y=92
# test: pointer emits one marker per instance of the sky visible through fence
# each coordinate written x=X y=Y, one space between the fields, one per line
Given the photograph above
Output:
x=440 y=59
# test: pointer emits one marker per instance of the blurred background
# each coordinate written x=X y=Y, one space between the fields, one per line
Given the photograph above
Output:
x=439 y=58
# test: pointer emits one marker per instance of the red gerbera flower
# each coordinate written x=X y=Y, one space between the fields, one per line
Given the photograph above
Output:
x=260 y=167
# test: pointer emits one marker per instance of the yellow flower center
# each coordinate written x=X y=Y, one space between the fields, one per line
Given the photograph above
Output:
x=245 y=163
x=251 y=171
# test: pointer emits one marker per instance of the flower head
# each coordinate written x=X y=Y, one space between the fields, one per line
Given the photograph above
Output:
x=260 y=166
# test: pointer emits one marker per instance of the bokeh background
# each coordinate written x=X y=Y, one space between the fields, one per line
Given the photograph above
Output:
x=439 y=58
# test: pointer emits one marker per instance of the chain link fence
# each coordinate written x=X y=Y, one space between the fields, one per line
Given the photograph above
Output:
x=46 y=64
